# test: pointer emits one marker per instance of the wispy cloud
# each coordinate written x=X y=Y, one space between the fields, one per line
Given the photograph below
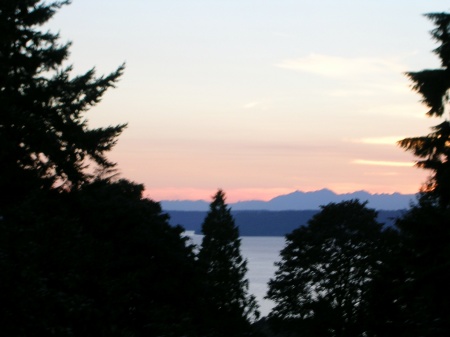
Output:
x=251 y=105
x=391 y=140
x=407 y=110
x=352 y=92
x=382 y=174
x=382 y=163
x=261 y=105
x=341 y=67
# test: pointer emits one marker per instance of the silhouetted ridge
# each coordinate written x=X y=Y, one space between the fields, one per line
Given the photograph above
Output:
x=264 y=223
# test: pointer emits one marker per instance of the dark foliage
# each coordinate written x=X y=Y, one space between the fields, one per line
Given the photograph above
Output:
x=98 y=262
x=323 y=282
x=425 y=295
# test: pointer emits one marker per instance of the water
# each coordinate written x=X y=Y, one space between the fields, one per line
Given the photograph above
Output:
x=261 y=253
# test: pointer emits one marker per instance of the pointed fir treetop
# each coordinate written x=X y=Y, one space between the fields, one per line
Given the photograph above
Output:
x=218 y=202
x=433 y=84
x=219 y=222
x=441 y=34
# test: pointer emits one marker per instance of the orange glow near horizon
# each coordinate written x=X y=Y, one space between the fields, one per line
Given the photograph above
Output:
x=233 y=195
x=245 y=194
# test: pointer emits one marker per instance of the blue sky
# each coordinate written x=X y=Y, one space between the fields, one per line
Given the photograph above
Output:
x=259 y=98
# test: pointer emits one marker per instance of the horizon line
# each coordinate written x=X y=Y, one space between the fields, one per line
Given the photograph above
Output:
x=148 y=195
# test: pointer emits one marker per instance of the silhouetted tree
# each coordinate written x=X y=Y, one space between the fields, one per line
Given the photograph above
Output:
x=434 y=84
x=100 y=261
x=45 y=139
x=149 y=283
x=323 y=282
x=385 y=299
x=230 y=308
x=425 y=228
x=424 y=296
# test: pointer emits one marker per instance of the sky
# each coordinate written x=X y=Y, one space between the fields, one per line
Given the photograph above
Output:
x=257 y=97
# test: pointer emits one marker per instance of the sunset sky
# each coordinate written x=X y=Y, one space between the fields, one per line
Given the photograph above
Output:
x=260 y=98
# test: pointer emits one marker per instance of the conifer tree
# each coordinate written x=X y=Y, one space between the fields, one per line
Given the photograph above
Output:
x=421 y=292
x=425 y=228
x=229 y=306
x=433 y=150
x=46 y=142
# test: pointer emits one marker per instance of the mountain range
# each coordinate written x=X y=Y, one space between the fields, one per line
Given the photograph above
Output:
x=299 y=200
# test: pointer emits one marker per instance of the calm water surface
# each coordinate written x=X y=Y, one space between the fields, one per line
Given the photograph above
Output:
x=261 y=253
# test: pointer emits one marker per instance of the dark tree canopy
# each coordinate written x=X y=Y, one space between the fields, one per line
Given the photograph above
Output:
x=424 y=296
x=230 y=306
x=322 y=284
x=433 y=150
x=45 y=139
x=100 y=261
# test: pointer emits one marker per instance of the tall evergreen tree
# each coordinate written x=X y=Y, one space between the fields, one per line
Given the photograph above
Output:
x=230 y=308
x=425 y=228
x=45 y=139
x=433 y=149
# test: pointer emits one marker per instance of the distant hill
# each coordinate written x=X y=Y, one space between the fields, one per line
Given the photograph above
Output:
x=299 y=200
x=263 y=223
